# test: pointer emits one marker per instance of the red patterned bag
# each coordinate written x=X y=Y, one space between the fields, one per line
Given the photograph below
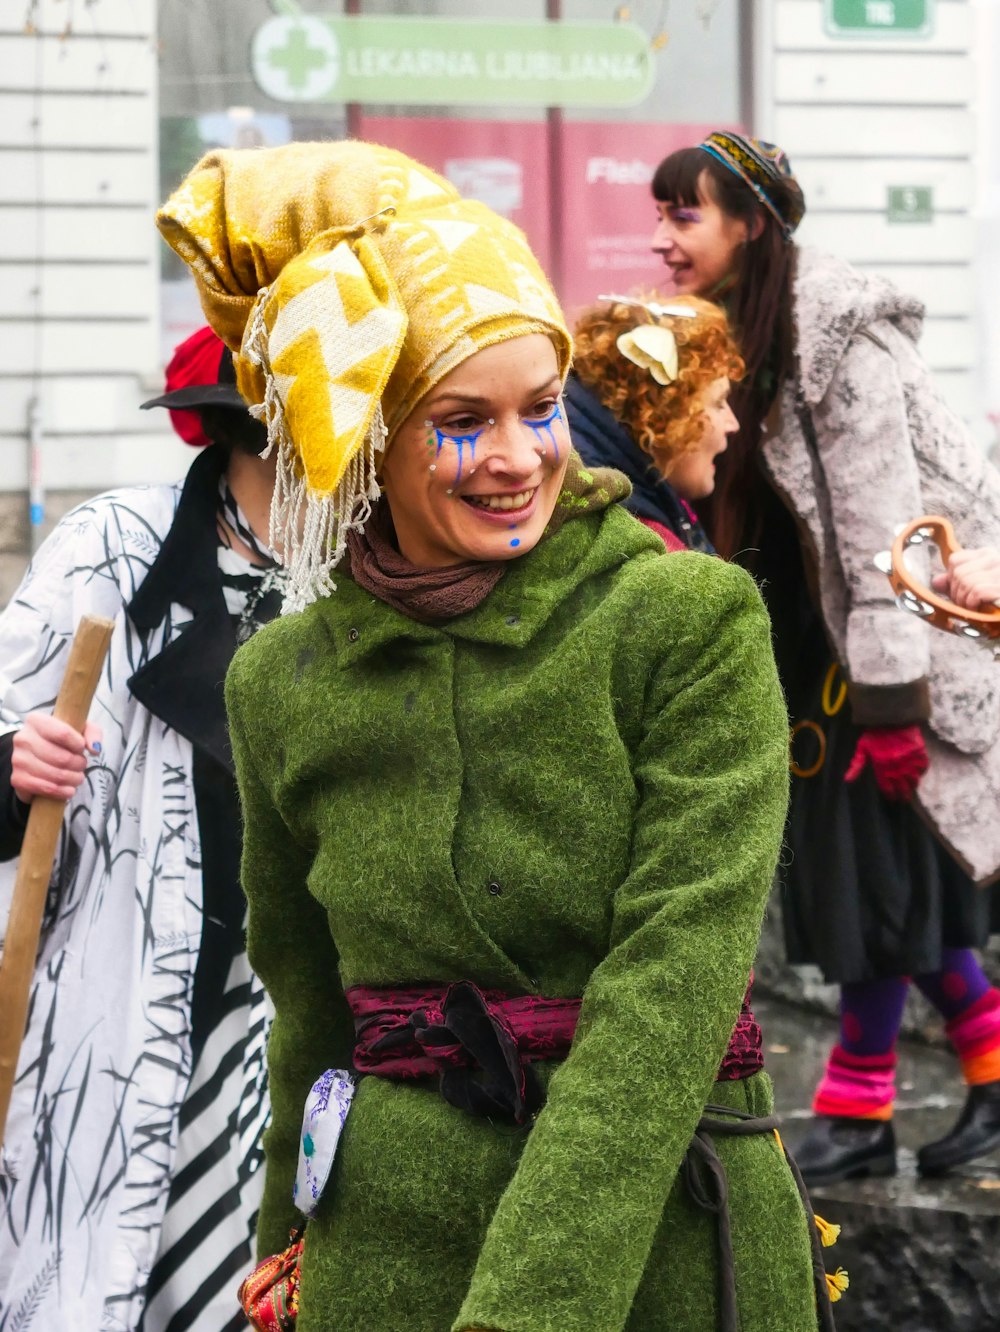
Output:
x=270 y=1294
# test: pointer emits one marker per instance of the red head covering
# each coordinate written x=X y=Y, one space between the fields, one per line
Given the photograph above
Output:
x=200 y=374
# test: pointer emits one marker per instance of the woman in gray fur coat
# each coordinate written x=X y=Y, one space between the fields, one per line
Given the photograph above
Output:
x=894 y=730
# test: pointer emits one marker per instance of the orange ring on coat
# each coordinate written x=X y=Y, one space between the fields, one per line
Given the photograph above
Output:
x=807 y=726
x=830 y=707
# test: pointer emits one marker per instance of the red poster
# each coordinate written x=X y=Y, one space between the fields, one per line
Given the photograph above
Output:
x=502 y=163
x=602 y=169
x=607 y=208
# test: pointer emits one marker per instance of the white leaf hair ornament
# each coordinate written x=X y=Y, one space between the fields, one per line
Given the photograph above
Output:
x=652 y=348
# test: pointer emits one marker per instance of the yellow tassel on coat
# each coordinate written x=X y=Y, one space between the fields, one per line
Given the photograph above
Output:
x=828 y=1232
x=836 y=1283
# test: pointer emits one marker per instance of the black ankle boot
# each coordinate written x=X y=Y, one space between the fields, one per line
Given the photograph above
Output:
x=837 y=1147
x=976 y=1132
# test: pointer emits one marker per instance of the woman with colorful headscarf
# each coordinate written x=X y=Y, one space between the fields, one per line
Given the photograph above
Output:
x=508 y=833
x=842 y=438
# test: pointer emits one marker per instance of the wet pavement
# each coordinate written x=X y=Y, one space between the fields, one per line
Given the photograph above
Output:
x=922 y=1254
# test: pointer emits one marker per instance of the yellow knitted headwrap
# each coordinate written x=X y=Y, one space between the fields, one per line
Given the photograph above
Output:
x=347 y=280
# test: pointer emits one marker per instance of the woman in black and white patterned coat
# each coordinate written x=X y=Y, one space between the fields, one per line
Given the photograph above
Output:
x=843 y=438
x=129 y=1183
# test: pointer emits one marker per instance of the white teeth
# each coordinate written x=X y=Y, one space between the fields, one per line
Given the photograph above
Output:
x=502 y=502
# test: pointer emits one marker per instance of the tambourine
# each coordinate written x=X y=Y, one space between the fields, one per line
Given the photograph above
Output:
x=912 y=596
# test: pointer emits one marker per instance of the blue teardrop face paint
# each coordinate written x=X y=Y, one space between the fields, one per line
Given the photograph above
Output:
x=516 y=541
x=464 y=445
x=545 y=429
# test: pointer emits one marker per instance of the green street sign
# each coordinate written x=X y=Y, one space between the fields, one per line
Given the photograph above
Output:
x=870 y=18
x=910 y=203
x=446 y=62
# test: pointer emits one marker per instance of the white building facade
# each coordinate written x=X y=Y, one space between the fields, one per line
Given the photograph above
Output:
x=105 y=103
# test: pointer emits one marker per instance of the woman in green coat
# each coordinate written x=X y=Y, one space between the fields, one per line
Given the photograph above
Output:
x=513 y=795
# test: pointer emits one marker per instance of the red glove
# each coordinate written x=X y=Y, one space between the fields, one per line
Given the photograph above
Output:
x=898 y=757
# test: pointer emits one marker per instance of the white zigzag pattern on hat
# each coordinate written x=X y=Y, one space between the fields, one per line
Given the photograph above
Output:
x=320 y=309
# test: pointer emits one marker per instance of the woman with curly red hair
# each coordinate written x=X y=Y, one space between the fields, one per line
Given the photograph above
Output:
x=649 y=395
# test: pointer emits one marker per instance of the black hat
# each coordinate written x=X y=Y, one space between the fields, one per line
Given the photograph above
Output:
x=200 y=374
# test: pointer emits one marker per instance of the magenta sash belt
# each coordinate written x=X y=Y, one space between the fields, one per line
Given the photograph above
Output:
x=481 y=1043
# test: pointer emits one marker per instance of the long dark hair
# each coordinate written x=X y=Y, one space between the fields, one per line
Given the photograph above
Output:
x=759 y=306
x=233 y=429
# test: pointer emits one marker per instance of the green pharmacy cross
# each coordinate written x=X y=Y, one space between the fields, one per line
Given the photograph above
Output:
x=298 y=58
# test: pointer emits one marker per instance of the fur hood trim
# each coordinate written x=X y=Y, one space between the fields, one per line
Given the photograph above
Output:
x=833 y=300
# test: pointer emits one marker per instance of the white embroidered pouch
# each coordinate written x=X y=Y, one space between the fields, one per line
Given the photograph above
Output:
x=322 y=1124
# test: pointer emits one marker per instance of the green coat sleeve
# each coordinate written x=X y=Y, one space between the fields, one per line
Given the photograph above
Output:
x=290 y=948
x=572 y=1233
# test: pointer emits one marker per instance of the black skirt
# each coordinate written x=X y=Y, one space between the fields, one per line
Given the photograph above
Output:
x=867 y=889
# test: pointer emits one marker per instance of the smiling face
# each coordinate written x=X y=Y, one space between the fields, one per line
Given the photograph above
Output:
x=475 y=470
x=699 y=243
x=692 y=473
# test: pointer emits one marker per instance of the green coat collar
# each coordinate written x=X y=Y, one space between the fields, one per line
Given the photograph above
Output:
x=531 y=590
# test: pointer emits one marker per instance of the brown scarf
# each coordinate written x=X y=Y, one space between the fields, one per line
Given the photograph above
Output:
x=434 y=596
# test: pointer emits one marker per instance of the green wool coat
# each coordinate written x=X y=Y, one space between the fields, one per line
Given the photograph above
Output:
x=576 y=789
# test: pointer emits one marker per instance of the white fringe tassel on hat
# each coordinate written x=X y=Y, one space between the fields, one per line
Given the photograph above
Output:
x=309 y=532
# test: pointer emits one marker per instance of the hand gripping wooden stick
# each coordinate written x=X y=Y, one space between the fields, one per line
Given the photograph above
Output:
x=34 y=870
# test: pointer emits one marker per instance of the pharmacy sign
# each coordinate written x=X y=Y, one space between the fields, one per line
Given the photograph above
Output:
x=447 y=62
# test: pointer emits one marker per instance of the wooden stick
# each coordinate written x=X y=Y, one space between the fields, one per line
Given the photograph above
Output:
x=34 y=870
